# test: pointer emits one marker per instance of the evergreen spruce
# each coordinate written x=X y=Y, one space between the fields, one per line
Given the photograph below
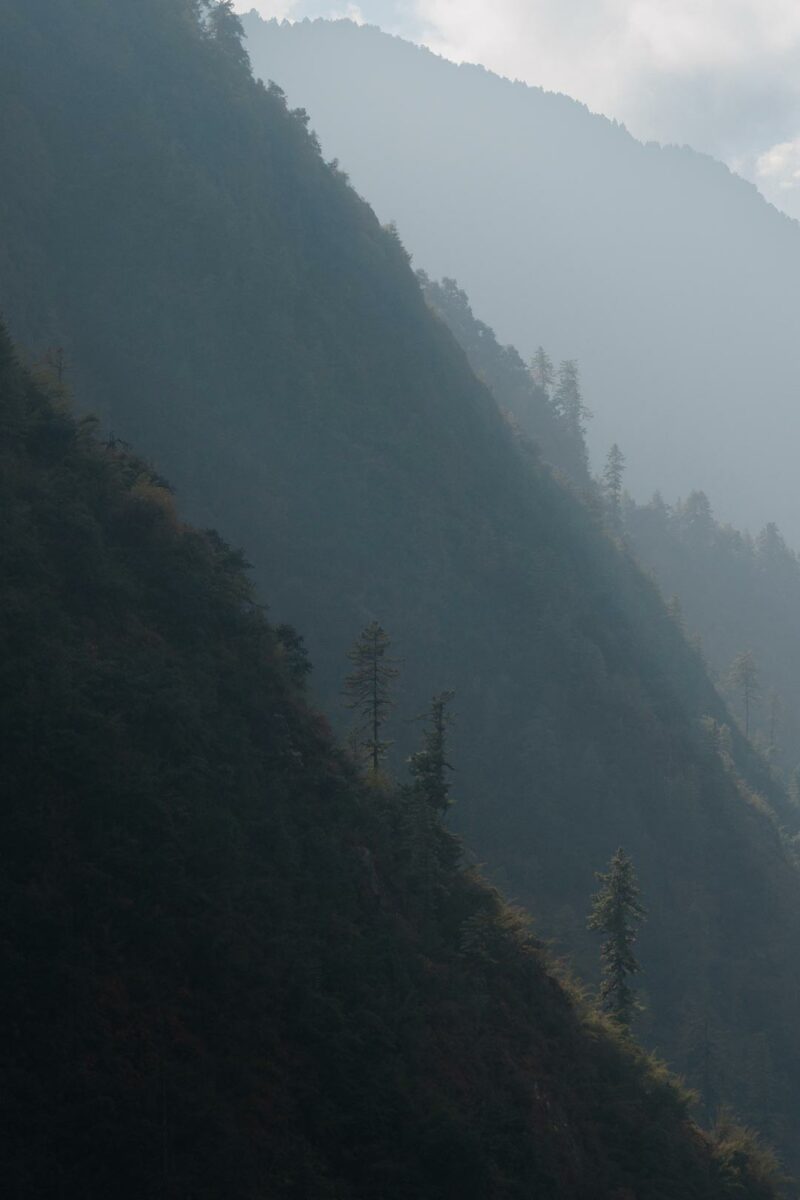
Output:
x=568 y=399
x=368 y=690
x=429 y=766
x=429 y=850
x=744 y=677
x=617 y=911
x=612 y=486
x=542 y=371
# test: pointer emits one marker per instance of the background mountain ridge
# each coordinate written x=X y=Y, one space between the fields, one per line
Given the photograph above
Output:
x=227 y=304
x=669 y=278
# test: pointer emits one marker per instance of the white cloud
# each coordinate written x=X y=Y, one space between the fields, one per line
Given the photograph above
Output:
x=350 y=12
x=781 y=165
x=777 y=173
x=268 y=8
x=296 y=9
x=720 y=75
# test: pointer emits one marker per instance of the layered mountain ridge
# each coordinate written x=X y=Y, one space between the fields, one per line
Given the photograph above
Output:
x=223 y=972
x=670 y=279
x=227 y=304
x=737 y=594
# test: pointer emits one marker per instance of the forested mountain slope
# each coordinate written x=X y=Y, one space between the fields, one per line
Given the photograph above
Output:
x=739 y=594
x=550 y=415
x=227 y=303
x=742 y=596
x=671 y=280
x=222 y=975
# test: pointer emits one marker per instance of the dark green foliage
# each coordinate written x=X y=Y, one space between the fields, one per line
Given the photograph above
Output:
x=616 y=912
x=228 y=305
x=429 y=766
x=215 y=981
x=368 y=691
x=560 y=778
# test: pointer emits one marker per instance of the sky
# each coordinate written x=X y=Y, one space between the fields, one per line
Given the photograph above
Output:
x=722 y=76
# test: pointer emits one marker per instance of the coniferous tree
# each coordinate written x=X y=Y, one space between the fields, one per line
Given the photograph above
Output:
x=568 y=398
x=368 y=691
x=612 y=486
x=429 y=766
x=429 y=849
x=225 y=26
x=695 y=519
x=744 y=677
x=542 y=370
x=616 y=912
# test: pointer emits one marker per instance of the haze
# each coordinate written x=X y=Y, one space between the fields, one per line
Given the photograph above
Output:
x=721 y=77
x=330 y=616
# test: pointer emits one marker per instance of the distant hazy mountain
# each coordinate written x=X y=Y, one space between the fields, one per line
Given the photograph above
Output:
x=738 y=593
x=675 y=284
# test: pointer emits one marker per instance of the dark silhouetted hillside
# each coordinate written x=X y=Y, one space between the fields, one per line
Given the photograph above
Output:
x=221 y=975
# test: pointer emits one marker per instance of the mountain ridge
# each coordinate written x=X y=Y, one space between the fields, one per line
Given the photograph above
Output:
x=272 y=351
x=645 y=263
x=222 y=971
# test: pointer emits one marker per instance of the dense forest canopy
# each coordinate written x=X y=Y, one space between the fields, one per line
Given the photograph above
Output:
x=223 y=973
x=671 y=280
x=223 y=299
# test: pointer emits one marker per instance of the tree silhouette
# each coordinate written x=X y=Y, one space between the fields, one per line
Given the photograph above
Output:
x=542 y=371
x=617 y=911
x=744 y=677
x=612 y=486
x=368 y=691
x=429 y=766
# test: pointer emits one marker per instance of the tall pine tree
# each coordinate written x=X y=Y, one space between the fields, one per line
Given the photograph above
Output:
x=616 y=912
x=612 y=486
x=429 y=766
x=744 y=677
x=542 y=371
x=368 y=691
